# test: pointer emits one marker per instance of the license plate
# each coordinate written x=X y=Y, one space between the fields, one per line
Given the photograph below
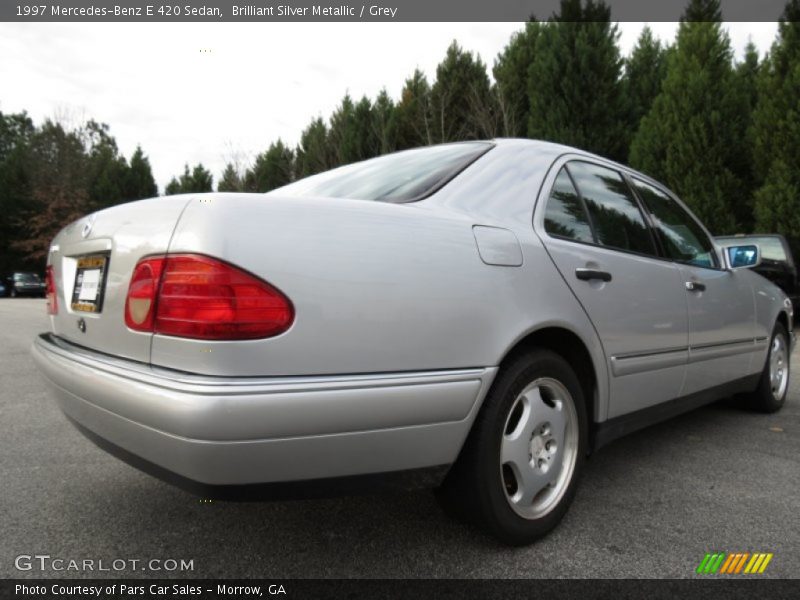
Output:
x=90 y=279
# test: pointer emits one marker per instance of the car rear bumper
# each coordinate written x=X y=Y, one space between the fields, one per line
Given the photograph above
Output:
x=218 y=431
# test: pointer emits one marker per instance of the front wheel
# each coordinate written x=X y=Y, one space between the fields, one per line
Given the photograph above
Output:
x=773 y=386
x=519 y=468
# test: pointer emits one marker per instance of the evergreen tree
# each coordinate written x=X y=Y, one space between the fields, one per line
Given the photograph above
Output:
x=776 y=132
x=693 y=139
x=574 y=83
x=16 y=133
x=645 y=69
x=313 y=154
x=461 y=101
x=341 y=137
x=511 y=77
x=230 y=181
x=366 y=143
x=107 y=169
x=384 y=123
x=413 y=113
x=173 y=187
x=139 y=182
x=195 y=181
x=272 y=169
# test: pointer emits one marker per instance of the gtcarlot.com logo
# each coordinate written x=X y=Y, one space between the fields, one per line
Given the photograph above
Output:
x=45 y=562
x=734 y=563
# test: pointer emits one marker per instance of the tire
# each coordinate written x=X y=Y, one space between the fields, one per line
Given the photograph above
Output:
x=535 y=417
x=773 y=386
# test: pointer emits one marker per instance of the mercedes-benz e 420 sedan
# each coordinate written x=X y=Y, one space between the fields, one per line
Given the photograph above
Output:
x=477 y=317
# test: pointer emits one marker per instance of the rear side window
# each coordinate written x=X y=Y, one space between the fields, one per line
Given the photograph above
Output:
x=399 y=177
x=618 y=222
x=680 y=234
x=565 y=216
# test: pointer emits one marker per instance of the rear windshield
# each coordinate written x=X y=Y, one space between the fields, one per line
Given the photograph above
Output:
x=399 y=177
x=27 y=277
x=771 y=247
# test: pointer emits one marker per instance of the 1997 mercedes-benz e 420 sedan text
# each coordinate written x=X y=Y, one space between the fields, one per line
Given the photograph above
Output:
x=477 y=316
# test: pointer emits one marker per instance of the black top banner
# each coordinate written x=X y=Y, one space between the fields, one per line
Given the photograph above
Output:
x=380 y=10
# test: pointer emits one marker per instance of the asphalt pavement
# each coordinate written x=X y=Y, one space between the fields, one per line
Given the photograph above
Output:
x=650 y=505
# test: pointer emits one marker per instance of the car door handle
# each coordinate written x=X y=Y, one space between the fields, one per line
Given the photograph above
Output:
x=695 y=286
x=589 y=274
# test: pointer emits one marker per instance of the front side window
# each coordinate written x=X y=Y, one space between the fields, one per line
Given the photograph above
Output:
x=615 y=215
x=399 y=177
x=682 y=237
x=564 y=215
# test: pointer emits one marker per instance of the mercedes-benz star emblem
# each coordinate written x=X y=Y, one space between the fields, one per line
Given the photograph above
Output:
x=87 y=227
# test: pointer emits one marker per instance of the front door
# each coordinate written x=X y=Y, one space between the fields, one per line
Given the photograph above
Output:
x=721 y=304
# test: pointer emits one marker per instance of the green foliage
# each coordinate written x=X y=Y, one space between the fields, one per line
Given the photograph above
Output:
x=693 y=139
x=384 y=124
x=16 y=132
x=724 y=136
x=60 y=177
x=195 y=181
x=139 y=182
x=272 y=169
x=645 y=70
x=776 y=132
x=231 y=180
x=413 y=113
x=462 y=106
x=574 y=81
x=511 y=77
x=313 y=153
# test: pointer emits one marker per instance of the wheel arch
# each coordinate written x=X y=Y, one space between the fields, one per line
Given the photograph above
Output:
x=570 y=346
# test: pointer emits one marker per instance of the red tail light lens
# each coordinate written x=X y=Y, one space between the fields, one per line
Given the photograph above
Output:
x=141 y=301
x=50 y=291
x=193 y=296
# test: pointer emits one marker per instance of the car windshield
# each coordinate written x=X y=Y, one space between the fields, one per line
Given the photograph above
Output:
x=26 y=277
x=399 y=177
x=771 y=247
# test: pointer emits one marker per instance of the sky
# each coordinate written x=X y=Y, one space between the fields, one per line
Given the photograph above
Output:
x=214 y=93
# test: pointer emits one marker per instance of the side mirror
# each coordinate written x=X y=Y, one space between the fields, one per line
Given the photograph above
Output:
x=743 y=257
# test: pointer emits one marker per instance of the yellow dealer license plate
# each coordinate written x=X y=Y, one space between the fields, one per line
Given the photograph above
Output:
x=90 y=280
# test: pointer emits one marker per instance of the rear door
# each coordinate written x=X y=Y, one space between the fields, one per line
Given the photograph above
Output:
x=594 y=230
x=721 y=303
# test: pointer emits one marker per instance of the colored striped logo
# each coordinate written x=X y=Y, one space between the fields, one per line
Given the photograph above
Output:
x=734 y=563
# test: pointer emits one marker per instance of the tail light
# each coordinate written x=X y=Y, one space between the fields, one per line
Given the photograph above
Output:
x=50 y=291
x=194 y=296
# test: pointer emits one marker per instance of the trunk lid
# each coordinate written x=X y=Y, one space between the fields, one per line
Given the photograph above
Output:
x=104 y=248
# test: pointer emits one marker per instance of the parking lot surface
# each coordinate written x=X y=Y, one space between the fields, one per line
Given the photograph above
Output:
x=650 y=505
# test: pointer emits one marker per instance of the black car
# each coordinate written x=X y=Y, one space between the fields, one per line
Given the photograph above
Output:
x=24 y=283
x=777 y=262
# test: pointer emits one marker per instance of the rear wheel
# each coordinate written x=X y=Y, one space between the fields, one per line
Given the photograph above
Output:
x=770 y=394
x=518 y=471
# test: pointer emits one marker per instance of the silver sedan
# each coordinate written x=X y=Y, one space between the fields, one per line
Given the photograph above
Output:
x=477 y=317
